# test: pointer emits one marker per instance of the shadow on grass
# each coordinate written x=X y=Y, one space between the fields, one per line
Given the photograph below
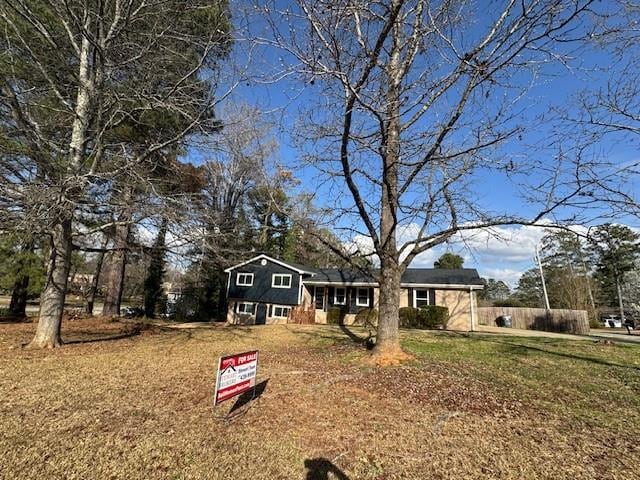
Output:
x=175 y=337
x=355 y=338
x=350 y=336
x=247 y=397
x=110 y=338
x=521 y=348
x=320 y=468
x=367 y=341
x=12 y=319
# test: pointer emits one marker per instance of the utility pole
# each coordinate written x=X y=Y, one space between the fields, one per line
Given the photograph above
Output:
x=544 y=285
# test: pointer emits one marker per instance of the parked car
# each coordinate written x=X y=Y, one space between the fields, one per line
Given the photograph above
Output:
x=132 y=312
x=611 y=321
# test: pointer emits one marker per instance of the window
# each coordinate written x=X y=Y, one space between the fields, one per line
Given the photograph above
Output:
x=340 y=296
x=281 y=280
x=362 y=298
x=246 y=308
x=244 y=279
x=280 y=311
x=420 y=298
x=319 y=298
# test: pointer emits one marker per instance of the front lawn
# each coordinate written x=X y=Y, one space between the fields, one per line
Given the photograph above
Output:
x=121 y=405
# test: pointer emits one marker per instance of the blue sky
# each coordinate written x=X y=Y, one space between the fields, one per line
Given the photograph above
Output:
x=505 y=257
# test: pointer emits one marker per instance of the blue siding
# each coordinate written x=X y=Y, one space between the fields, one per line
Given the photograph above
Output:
x=261 y=290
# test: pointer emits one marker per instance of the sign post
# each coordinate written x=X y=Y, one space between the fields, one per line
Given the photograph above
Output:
x=236 y=375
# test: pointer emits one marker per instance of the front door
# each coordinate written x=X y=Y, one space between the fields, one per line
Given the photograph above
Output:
x=261 y=314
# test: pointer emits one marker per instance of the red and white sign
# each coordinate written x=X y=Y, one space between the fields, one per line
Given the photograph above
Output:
x=236 y=374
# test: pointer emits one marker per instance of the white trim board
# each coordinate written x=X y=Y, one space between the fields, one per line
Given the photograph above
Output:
x=244 y=284
x=440 y=286
x=271 y=259
x=273 y=310
x=415 y=297
x=335 y=295
x=282 y=276
x=340 y=284
x=253 y=304
x=358 y=304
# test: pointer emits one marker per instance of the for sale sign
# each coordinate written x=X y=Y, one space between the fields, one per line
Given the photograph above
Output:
x=236 y=374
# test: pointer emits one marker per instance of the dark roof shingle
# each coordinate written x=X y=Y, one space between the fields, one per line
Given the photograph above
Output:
x=426 y=276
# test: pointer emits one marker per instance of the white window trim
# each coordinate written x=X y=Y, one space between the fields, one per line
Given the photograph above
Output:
x=358 y=304
x=245 y=303
x=335 y=296
x=281 y=275
x=285 y=307
x=238 y=284
x=415 y=297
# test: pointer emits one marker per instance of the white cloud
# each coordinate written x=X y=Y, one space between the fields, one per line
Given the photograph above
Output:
x=501 y=244
x=508 y=275
x=426 y=259
x=503 y=253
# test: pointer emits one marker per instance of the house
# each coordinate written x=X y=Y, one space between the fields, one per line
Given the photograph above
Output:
x=265 y=290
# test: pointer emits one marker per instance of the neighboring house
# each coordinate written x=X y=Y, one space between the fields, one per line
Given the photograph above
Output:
x=265 y=290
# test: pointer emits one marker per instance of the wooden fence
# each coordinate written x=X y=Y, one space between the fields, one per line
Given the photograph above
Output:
x=555 y=320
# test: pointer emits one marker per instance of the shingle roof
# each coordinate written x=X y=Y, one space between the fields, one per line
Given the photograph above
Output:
x=335 y=275
x=417 y=276
x=460 y=276
x=426 y=276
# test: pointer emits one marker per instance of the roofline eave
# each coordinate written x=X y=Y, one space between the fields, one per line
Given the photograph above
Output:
x=449 y=286
x=267 y=257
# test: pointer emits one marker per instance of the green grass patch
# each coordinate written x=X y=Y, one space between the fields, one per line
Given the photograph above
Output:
x=592 y=382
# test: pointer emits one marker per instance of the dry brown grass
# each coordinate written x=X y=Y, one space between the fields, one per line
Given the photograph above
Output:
x=484 y=407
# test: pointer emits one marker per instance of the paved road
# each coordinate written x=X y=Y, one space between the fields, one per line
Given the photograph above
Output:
x=617 y=335
x=34 y=309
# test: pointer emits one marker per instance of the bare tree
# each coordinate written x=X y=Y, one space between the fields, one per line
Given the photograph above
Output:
x=117 y=259
x=216 y=227
x=74 y=74
x=607 y=113
x=406 y=106
x=239 y=159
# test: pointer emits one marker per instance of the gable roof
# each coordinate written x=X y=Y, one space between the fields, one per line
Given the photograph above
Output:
x=291 y=266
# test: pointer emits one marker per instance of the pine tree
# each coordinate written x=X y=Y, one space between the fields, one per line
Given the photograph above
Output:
x=449 y=260
x=153 y=282
x=617 y=250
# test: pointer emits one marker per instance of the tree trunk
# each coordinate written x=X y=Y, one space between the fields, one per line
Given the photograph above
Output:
x=18 y=305
x=115 y=273
x=55 y=289
x=94 y=284
x=387 y=350
x=620 y=301
x=117 y=260
x=222 y=303
x=387 y=341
